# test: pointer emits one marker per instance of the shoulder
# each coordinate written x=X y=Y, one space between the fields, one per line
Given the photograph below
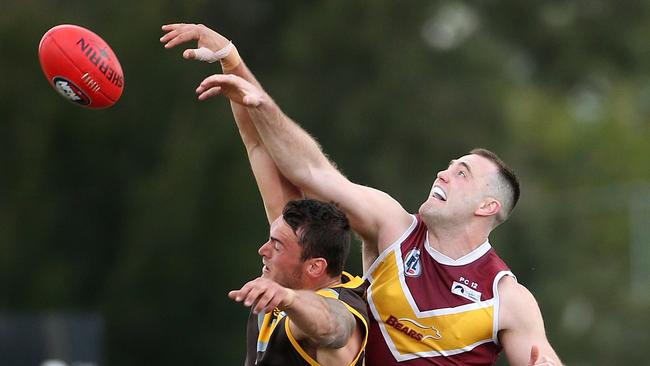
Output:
x=410 y=227
x=351 y=293
x=394 y=232
x=514 y=295
x=511 y=290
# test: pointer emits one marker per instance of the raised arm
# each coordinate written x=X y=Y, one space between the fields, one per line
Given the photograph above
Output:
x=275 y=190
x=324 y=323
x=376 y=216
x=521 y=327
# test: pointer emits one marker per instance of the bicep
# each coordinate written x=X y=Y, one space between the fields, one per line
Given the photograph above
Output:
x=374 y=215
x=345 y=324
x=274 y=188
x=521 y=324
x=342 y=327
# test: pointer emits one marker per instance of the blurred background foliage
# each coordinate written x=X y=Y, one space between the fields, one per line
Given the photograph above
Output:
x=147 y=213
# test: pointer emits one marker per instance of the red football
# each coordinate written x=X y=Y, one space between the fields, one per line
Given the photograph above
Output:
x=81 y=66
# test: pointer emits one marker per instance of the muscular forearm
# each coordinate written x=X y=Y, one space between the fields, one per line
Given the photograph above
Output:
x=274 y=188
x=268 y=124
x=294 y=151
x=246 y=128
x=279 y=132
x=327 y=322
x=521 y=325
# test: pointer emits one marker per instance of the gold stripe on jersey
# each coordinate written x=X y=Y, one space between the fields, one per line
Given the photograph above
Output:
x=269 y=322
x=308 y=358
x=353 y=282
x=412 y=332
x=296 y=345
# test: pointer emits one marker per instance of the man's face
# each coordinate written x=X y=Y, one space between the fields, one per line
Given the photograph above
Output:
x=281 y=256
x=459 y=190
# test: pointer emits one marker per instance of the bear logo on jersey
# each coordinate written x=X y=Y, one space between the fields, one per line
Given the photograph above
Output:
x=412 y=266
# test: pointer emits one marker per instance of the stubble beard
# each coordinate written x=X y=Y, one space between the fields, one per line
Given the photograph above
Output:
x=293 y=279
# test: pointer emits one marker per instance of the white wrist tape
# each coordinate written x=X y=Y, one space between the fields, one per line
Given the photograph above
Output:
x=206 y=54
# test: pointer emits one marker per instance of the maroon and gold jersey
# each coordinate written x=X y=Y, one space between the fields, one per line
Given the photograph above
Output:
x=429 y=309
x=270 y=341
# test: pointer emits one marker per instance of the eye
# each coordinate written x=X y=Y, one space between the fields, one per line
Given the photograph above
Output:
x=462 y=173
x=276 y=245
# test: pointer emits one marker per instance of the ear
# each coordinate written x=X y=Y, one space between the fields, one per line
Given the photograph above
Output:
x=316 y=267
x=489 y=207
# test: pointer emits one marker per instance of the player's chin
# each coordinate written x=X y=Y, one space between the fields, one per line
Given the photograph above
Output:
x=426 y=207
x=266 y=273
x=430 y=208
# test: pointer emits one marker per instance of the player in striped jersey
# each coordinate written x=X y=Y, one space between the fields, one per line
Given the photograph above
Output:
x=304 y=309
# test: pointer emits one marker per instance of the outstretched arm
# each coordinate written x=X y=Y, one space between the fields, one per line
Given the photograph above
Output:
x=325 y=322
x=377 y=217
x=274 y=188
x=522 y=327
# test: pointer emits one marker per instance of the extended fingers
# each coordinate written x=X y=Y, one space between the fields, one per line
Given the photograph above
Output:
x=210 y=88
x=261 y=295
x=179 y=36
x=233 y=87
x=171 y=30
x=240 y=295
x=264 y=302
x=216 y=80
x=252 y=296
x=235 y=295
x=223 y=79
x=270 y=299
x=179 y=33
x=209 y=93
x=168 y=27
x=248 y=293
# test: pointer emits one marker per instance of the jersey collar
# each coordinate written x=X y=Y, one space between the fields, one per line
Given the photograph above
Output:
x=466 y=259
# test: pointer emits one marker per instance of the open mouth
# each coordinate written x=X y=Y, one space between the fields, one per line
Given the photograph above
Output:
x=438 y=193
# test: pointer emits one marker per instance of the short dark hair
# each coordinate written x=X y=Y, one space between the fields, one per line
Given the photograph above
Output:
x=323 y=231
x=507 y=177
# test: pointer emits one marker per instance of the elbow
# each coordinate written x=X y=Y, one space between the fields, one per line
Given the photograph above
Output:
x=310 y=175
x=301 y=176
x=251 y=146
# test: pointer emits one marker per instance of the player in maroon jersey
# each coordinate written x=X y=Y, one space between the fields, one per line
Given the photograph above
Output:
x=442 y=251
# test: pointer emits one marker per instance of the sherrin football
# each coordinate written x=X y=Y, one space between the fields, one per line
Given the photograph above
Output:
x=81 y=66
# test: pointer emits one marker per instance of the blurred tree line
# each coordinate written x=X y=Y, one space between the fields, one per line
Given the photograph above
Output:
x=147 y=212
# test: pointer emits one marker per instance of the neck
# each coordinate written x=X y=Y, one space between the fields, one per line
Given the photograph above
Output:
x=325 y=282
x=455 y=242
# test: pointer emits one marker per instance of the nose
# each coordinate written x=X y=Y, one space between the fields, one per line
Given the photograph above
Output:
x=443 y=175
x=264 y=249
